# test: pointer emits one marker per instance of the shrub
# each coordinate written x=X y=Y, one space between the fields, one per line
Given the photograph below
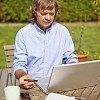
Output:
x=71 y=10
x=97 y=54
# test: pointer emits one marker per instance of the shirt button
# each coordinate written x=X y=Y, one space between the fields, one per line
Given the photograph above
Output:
x=46 y=59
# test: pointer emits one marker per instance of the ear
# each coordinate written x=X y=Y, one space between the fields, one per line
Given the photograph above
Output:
x=34 y=11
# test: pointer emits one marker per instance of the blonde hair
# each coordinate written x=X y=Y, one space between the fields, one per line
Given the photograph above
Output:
x=43 y=4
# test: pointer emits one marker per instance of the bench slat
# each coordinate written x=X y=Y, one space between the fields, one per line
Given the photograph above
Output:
x=9 y=52
x=7 y=47
x=10 y=59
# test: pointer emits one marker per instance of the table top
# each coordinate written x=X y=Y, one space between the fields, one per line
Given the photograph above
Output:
x=89 y=93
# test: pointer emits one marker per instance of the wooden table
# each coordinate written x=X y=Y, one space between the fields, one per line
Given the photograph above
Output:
x=89 y=93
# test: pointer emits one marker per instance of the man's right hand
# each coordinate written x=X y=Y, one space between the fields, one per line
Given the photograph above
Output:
x=26 y=84
x=21 y=75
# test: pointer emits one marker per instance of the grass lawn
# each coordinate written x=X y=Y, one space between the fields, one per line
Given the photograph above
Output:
x=91 y=37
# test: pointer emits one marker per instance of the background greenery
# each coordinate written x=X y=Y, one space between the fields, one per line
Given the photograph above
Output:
x=71 y=10
x=91 y=37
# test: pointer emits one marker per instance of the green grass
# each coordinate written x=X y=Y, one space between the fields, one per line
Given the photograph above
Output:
x=7 y=36
x=91 y=37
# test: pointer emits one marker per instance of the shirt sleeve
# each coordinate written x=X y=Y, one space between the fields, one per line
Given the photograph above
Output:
x=69 y=55
x=20 y=53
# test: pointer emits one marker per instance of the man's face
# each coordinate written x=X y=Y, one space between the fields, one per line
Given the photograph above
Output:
x=44 y=18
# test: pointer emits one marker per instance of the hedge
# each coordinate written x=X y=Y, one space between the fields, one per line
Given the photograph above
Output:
x=71 y=10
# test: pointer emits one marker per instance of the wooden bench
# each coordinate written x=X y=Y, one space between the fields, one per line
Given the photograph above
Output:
x=6 y=76
x=9 y=57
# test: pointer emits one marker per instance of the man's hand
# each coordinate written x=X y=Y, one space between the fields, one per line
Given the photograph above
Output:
x=21 y=75
x=26 y=84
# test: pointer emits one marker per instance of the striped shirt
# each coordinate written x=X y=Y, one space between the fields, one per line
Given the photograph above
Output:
x=36 y=51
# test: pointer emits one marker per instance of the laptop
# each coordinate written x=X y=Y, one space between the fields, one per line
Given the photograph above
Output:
x=71 y=76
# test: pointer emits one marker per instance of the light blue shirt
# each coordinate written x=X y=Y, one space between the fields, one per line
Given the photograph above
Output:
x=36 y=51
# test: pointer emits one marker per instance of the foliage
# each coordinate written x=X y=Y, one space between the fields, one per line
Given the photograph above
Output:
x=76 y=10
x=16 y=10
x=1 y=11
x=79 y=50
x=96 y=4
x=71 y=10
x=81 y=38
x=97 y=54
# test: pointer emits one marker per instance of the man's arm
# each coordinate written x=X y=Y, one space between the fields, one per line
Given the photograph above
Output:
x=69 y=56
x=19 y=73
x=23 y=77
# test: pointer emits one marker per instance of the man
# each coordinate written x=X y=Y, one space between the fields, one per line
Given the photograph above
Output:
x=41 y=44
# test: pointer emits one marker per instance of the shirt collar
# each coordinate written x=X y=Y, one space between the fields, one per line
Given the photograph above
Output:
x=39 y=29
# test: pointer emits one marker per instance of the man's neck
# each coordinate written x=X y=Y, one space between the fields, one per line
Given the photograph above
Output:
x=44 y=29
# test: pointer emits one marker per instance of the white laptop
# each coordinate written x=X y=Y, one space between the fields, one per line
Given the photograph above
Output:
x=71 y=76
